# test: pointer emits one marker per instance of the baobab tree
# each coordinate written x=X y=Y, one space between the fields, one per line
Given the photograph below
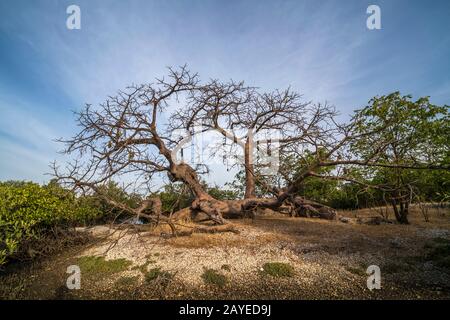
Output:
x=240 y=114
x=128 y=136
x=125 y=136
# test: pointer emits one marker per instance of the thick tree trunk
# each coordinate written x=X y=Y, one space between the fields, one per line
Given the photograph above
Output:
x=217 y=210
x=401 y=212
x=183 y=172
x=203 y=201
x=249 y=170
x=314 y=209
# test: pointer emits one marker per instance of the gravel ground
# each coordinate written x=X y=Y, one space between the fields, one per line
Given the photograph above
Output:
x=329 y=261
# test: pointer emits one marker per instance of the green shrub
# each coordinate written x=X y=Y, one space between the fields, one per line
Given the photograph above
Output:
x=211 y=276
x=100 y=210
x=29 y=212
x=278 y=269
x=98 y=265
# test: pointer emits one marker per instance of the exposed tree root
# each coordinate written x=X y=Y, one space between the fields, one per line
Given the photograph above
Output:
x=214 y=229
x=308 y=208
x=218 y=211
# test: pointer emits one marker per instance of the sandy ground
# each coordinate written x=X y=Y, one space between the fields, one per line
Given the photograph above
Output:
x=329 y=261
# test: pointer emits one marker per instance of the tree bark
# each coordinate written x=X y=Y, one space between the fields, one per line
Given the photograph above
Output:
x=315 y=209
x=401 y=212
x=249 y=170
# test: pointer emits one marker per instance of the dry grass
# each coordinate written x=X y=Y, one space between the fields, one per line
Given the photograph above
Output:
x=203 y=240
x=327 y=259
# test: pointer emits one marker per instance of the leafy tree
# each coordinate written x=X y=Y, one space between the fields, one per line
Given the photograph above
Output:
x=175 y=196
x=126 y=135
x=222 y=194
x=408 y=134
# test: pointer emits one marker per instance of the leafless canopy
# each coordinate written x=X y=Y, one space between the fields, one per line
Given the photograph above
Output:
x=130 y=136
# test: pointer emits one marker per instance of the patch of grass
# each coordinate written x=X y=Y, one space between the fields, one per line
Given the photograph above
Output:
x=226 y=267
x=278 y=269
x=98 y=265
x=127 y=281
x=211 y=276
x=158 y=274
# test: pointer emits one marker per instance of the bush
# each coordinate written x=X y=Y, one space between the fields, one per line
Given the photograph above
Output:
x=278 y=269
x=222 y=194
x=97 y=209
x=26 y=210
x=211 y=276
x=29 y=212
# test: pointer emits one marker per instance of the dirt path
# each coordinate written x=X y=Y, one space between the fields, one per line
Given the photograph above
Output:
x=271 y=258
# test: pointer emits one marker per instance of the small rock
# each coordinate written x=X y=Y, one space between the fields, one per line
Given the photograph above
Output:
x=345 y=219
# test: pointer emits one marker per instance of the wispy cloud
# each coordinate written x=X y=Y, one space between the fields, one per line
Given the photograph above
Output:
x=321 y=49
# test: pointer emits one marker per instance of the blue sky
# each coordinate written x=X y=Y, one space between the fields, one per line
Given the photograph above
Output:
x=321 y=48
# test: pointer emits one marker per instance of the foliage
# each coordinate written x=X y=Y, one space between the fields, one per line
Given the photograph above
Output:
x=237 y=186
x=408 y=133
x=80 y=210
x=278 y=269
x=99 y=266
x=175 y=196
x=211 y=276
x=104 y=211
x=222 y=194
x=27 y=210
x=313 y=188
